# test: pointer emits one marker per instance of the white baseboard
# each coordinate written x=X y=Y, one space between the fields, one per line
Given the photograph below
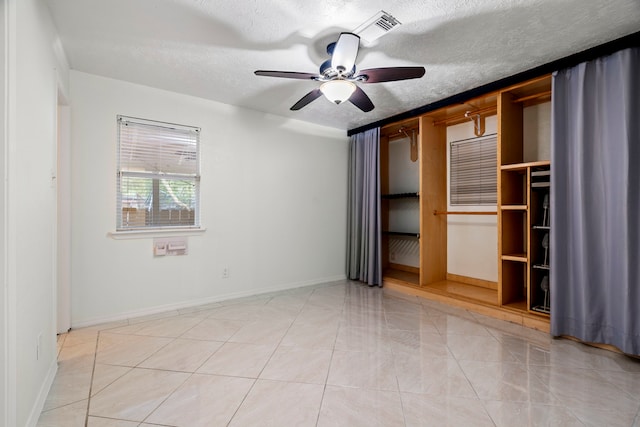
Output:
x=201 y=301
x=34 y=415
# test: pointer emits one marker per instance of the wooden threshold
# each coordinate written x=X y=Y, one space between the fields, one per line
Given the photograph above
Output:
x=464 y=290
x=401 y=277
x=472 y=281
x=485 y=301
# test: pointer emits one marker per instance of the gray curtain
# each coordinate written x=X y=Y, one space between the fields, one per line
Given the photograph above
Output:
x=595 y=201
x=363 y=221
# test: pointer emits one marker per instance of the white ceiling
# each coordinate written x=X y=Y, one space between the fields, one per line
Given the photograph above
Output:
x=210 y=48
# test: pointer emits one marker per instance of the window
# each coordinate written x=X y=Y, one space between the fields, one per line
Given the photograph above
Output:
x=158 y=175
x=473 y=171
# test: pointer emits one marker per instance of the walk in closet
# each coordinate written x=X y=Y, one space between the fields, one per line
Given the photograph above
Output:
x=417 y=214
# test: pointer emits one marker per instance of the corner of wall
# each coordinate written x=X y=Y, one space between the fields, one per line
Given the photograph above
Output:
x=36 y=409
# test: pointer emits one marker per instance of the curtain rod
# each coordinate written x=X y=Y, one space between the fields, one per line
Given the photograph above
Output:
x=631 y=40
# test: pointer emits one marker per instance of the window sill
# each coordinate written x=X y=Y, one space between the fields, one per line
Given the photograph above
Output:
x=145 y=234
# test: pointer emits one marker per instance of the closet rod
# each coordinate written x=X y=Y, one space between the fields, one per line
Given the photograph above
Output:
x=463 y=213
x=487 y=111
x=401 y=135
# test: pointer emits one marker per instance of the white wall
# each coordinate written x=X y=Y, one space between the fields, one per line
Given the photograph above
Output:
x=4 y=302
x=35 y=72
x=472 y=241
x=273 y=201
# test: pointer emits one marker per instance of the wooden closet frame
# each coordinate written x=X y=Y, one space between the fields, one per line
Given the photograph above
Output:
x=431 y=279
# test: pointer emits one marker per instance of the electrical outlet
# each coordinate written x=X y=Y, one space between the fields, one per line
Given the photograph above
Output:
x=392 y=256
x=225 y=273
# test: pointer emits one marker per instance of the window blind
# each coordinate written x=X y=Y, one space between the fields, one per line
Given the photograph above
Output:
x=158 y=175
x=473 y=171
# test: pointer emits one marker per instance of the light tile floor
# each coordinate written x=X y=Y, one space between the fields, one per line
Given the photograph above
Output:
x=339 y=354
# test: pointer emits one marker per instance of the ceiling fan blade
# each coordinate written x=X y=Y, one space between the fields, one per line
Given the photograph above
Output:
x=361 y=100
x=286 y=74
x=390 y=74
x=311 y=96
x=345 y=52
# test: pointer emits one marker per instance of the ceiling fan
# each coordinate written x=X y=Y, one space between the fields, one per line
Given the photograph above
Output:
x=339 y=77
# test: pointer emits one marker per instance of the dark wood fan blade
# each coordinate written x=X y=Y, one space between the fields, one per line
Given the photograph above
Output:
x=311 y=96
x=361 y=100
x=390 y=74
x=286 y=74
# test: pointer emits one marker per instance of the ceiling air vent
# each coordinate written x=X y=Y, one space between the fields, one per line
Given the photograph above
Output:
x=380 y=24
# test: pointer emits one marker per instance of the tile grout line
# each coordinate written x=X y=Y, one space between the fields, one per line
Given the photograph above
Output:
x=111 y=329
x=181 y=384
x=281 y=307
x=269 y=359
x=636 y=420
x=257 y=376
x=93 y=370
x=255 y=380
x=404 y=416
x=326 y=379
x=527 y=367
x=137 y=366
x=164 y=346
x=166 y=398
x=395 y=370
x=482 y=402
x=191 y=373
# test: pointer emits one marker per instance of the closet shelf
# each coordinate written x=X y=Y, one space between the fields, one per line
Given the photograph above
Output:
x=543 y=172
x=523 y=166
x=543 y=184
x=401 y=196
x=541 y=309
x=402 y=234
x=541 y=266
x=465 y=212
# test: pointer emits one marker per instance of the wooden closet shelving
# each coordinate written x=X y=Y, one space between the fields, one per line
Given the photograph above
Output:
x=402 y=234
x=517 y=203
x=540 y=223
x=392 y=269
x=517 y=295
x=401 y=196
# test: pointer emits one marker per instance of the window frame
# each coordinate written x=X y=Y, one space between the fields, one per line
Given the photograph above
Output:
x=482 y=197
x=156 y=178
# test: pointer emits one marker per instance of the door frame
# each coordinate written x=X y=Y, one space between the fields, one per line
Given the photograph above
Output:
x=62 y=233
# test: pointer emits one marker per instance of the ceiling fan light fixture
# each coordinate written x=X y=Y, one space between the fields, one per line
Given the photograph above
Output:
x=338 y=91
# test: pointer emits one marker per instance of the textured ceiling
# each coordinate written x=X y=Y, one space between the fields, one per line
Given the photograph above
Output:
x=210 y=48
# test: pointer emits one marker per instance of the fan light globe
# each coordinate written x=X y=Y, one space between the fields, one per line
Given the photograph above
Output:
x=337 y=90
